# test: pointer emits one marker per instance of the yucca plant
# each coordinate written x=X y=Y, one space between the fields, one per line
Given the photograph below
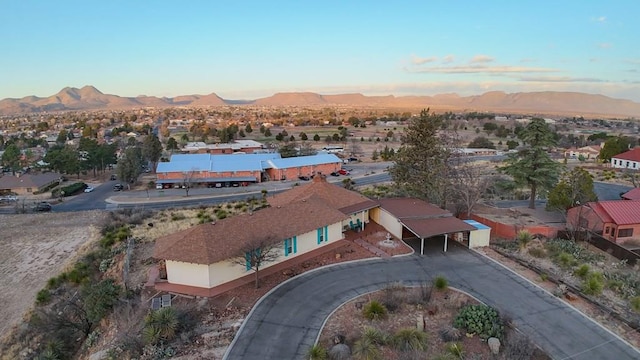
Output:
x=441 y=283
x=160 y=325
x=524 y=237
x=375 y=336
x=409 y=339
x=582 y=271
x=317 y=352
x=364 y=349
x=374 y=310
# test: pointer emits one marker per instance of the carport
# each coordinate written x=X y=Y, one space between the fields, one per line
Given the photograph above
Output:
x=405 y=217
x=425 y=228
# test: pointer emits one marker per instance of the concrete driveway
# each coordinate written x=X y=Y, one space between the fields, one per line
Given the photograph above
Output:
x=287 y=321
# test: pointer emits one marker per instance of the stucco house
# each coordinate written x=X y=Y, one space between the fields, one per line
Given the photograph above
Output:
x=588 y=152
x=615 y=220
x=24 y=184
x=627 y=160
x=299 y=224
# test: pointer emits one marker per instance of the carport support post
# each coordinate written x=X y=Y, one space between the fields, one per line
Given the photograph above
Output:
x=445 y=242
x=421 y=246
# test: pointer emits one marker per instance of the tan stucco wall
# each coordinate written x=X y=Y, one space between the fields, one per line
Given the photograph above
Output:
x=388 y=221
x=224 y=271
x=187 y=273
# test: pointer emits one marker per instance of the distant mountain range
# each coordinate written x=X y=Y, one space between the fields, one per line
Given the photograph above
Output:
x=548 y=102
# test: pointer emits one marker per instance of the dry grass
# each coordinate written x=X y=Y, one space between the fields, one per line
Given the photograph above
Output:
x=36 y=247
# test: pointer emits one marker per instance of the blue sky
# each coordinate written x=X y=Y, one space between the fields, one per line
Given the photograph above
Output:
x=251 y=49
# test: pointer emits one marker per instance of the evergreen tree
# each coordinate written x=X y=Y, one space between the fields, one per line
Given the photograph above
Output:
x=152 y=150
x=532 y=165
x=575 y=188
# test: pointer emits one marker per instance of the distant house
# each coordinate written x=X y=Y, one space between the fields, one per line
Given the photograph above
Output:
x=301 y=223
x=615 y=220
x=238 y=146
x=588 y=152
x=27 y=183
x=627 y=160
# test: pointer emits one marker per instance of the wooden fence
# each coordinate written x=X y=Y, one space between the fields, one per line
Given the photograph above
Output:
x=603 y=244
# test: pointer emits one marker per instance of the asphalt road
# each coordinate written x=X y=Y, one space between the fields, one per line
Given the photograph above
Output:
x=287 y=321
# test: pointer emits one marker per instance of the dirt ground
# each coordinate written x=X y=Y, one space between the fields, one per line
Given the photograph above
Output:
x=34 y=248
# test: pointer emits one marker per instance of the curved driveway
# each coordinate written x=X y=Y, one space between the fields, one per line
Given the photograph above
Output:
x=286 y=322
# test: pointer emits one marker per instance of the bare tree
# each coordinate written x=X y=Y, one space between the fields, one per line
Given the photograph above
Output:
x=257 y=252
x=633 y=176
x=468 y=185
x=187 y=180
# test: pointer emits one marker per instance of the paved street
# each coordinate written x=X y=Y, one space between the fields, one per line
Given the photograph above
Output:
x=288 y=320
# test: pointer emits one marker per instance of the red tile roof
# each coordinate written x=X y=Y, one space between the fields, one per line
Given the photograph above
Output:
x=334 y=196
x=631 y=155
x=620 y=212
x=425 y=228
x=224 y=239
x=410 y=207
x=633 y=194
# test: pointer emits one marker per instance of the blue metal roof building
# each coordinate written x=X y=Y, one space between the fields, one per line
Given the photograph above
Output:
x=215 y=163
x=300 y=161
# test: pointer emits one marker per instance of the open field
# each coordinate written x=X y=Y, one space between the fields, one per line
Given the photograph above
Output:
x=33 y=248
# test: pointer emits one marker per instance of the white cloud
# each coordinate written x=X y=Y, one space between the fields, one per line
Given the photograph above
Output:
x=599 y=19
x=416 y=60
x=481 y=59
x=482 y=69
x=448 y=59
x=559 y=79
x=605 y=45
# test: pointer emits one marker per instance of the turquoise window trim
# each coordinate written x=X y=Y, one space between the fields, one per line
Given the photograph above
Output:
x=295 y=244
x=326 y=234
x=319 y=235
x=247 y=258
x=286 y=247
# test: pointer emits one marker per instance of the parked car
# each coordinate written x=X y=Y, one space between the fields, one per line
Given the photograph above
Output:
x=88 y=189
x=118 y=187
x=113 y=177
x=352 y=159
x=8 y=198
x=343 y=172
x=159 y=186
x=42 y=207
x=335 y=173
x=304 y=178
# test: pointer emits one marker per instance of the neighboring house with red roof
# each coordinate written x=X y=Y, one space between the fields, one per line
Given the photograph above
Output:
x=300 y=223
x=627 y=160
x=633 y=194
x=615 y=220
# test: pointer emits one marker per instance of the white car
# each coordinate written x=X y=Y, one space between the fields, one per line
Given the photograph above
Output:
x=88 y=189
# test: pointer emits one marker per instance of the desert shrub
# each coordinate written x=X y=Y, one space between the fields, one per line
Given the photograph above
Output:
x=518 y=346
x=221 y=214
x=55 y=282
x=43 y=297
x=99 y=299
x=422 y=295
x=537 y=252
x=375 y=336
x=364 y=349
x=635 y=303
x=441 y=283
x=580 y=253
x=482 y=320
x=582 y=271
x=374 y=310
x=544 y=276
x=239 y=205
x=450 y=333
x=177 y=216
x=160 y=325
x=524 y=237
x=565 y=260
x=203 y=217
x=456 y=350
x=393 y=296
x=317 y=352
x=593 y=284
x=508 y=245
x=445 y=356
x=409 y=339
x=229 y=206
x=625 y=283
x=79 y=273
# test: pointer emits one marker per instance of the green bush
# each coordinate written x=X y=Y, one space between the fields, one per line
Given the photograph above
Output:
x=177 y=216
x=456 y=350
x=221 y=214
x=410 y=339
x=582 y=271
x=375 y=336
x=43 y=297
x=593 y=284
x=374 y=310
x=580 y=253
x=635 y=303
x=69 y=190
x=441 y=283
x=480 y=319
x=565 y=260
